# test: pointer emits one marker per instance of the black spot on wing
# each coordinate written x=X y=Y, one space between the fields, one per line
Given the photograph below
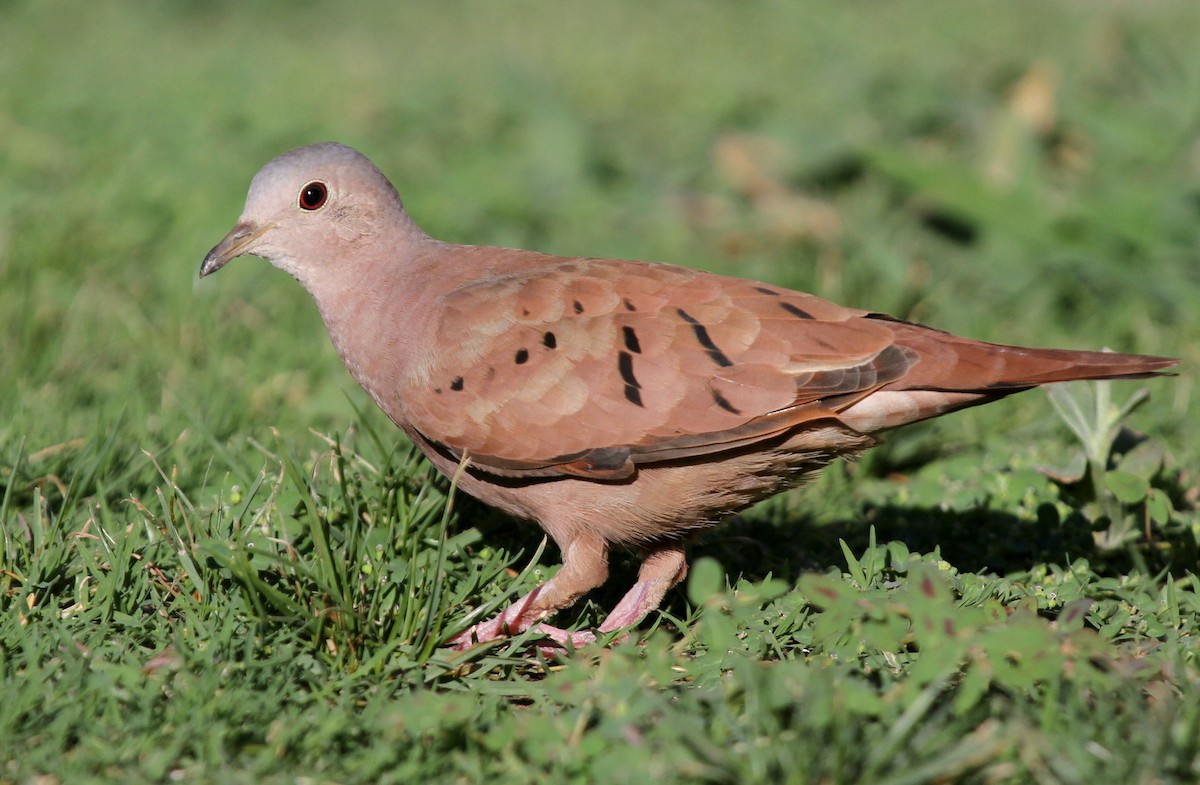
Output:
x=549 y=341
x=578 y=306
x=794 y=311
x=631 y=340
x=633 y=387
x=522 y=356
x=625 y=366
x=628 y=305
x=457 y=384
x=723 y=402
x=705 y=339
x=765 y=290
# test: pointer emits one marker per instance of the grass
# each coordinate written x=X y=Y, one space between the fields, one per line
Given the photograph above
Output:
x=218 y=563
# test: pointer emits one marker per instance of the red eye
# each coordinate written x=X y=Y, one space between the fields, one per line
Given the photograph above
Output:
x=313 y=195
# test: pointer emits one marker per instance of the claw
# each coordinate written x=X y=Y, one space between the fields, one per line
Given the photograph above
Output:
x=661 y=570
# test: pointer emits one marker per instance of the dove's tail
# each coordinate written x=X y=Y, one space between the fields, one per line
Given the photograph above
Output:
x=953 y=373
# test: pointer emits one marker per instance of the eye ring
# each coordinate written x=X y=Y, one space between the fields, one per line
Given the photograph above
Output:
x=313 y=196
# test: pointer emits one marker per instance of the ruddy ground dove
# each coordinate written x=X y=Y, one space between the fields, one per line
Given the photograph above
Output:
x=615 y=403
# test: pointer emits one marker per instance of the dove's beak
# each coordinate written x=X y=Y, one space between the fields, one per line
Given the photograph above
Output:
x=235 y=244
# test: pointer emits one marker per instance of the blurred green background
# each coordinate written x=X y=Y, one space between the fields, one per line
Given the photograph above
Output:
x=1016 y=172
x=1026 y=175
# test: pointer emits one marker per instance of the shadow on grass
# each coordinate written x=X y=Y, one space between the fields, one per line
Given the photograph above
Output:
x=757 y=545
x=973 y=540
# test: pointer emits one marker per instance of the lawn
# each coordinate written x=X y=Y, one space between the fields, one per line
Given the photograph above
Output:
x=220 y=563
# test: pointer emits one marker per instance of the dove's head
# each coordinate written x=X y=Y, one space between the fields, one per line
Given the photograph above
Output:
x=313 y=210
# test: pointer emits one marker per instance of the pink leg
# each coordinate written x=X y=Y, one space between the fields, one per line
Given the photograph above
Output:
x=661 y=570
x=583 y=569
x=516 y=618
x=585 y=566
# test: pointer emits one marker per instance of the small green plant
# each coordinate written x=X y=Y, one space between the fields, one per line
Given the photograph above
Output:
x=1116 y=470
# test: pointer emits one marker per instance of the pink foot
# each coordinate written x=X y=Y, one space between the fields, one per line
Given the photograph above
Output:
x=632 y=608
x=514 y=619
x=561 y=642
x=565 y=638
x=661 y=570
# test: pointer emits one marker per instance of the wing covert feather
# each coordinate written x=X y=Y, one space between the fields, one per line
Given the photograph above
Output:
x=585 y=367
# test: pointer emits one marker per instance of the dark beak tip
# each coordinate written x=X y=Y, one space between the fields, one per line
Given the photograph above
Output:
x=220 y=255
x=207 y=267
x=237 y=243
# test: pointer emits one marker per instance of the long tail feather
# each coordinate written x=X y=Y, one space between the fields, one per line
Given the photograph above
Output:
x=952 y=364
